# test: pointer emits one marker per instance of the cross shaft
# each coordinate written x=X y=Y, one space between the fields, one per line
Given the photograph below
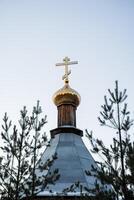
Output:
x=65 y=63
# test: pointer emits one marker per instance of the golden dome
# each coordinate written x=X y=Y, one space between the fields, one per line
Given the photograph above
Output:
x=66 y=95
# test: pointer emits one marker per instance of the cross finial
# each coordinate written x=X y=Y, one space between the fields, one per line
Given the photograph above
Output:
x=66 y=62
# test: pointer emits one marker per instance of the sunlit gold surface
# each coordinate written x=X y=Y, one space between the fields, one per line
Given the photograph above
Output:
x=66 y=95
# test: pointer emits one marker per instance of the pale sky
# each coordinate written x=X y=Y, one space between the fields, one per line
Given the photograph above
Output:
x=36 y=34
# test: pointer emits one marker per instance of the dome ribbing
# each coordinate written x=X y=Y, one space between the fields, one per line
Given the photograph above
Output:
x=66 y=95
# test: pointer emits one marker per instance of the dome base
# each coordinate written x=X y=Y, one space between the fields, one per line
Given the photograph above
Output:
x=66 y=129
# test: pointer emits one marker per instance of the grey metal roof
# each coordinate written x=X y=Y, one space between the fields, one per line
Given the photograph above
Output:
x=73 y=159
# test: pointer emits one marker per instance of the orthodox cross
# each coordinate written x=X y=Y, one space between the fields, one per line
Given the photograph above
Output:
x=66 y=62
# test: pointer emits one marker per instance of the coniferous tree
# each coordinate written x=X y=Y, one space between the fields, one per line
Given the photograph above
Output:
x=20 y=152
x=14 y=155
x=117 y=167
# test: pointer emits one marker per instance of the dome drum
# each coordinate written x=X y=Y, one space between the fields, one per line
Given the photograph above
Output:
x=66 y=115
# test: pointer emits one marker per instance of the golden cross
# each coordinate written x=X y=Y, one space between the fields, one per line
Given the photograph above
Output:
x=66 y=62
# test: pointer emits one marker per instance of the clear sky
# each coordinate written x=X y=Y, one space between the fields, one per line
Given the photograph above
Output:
x=36 y=34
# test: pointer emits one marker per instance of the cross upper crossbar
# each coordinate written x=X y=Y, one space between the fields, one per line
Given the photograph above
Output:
x=66 y=62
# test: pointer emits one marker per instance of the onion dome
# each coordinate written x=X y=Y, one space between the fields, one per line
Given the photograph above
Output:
x=66 y=95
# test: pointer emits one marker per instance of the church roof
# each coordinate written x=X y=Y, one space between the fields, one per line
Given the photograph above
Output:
x=73 y=159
